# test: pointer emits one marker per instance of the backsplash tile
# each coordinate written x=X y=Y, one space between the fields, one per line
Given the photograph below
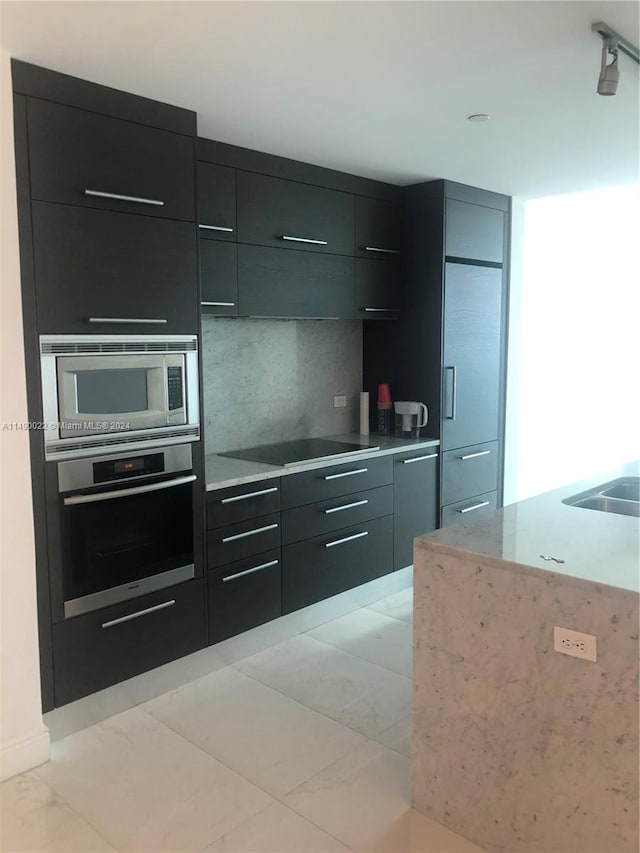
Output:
x=274 y=380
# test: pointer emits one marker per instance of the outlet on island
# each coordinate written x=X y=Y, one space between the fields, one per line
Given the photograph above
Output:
x=339 y=401
x=574 y=643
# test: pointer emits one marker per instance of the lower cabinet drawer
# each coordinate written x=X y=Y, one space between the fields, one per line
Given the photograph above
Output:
x=469 y=471
x=326 y=565
x=244 y=594
x=325 y=516
x=236 y=503
x=237 y=541
x=107 y=646
x=469 y=508
x=324 y=484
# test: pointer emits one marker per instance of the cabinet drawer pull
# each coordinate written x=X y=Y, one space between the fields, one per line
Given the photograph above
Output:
x=384 y=251
x=216 y=228
x=383 y=310
x=346 y=539
x=346 y=474
x=248 y=495
x=249 y=533
x=117 y=197
x=250 y=571
x=419 y=458
x=452 y=416
x=221 y=304
x=146 y=320
x=475 y=455
x=304 y=240
x=475 y=506
x=138 y=614
x=344 y=506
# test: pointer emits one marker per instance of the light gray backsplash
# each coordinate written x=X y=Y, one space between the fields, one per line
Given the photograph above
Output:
x=274 y=380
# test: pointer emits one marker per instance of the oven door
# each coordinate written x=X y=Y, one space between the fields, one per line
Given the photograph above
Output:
x=124 y=542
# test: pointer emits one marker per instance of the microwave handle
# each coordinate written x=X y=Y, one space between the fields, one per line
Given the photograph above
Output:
x=74 y=500
x=146 y=320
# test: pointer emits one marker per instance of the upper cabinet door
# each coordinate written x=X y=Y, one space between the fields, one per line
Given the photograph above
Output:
x=378 y=228
x=217 y=202
x=288 y=214
x=474 y=232
x=83 y=158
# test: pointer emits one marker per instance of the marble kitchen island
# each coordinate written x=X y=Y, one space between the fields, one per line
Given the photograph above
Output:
x=518 y=747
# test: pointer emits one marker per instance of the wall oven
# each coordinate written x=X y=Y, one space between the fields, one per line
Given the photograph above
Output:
x=126 y=526
x=121 y=392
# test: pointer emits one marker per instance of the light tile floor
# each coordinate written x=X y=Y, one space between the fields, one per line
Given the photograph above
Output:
x=300 y=745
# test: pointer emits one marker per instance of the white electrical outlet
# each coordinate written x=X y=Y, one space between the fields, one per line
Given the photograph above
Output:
x=574 y=643
x=339 y=401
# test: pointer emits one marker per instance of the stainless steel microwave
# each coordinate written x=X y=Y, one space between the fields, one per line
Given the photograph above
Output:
x=117 y=391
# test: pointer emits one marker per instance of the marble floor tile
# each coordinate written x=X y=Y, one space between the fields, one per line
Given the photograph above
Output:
x=398 y=736
x=34 y=819
x=399 y=605
x=373 y=636
x=270 y=739
x=351 y=690
x=145 y=788
x=277 y=830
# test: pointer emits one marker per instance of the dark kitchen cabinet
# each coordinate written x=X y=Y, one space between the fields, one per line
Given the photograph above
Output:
x=243 y=539
x=474 y=231
x=84 y=158
x=415 y=501
x=219 y=277
x=216 y=202
x=377 y=290
x=101 y=272
x=468 y=509
x=290 y=215
x=469 y=471
x=275 y=283
x=238 y=503
x=334 y=481
x=378 y=228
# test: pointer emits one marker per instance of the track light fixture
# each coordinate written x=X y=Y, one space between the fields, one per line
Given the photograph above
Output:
x=613 y=44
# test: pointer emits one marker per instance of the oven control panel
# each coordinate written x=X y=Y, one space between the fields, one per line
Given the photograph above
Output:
x=175 y=388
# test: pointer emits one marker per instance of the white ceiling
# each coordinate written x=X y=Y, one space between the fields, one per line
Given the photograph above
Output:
x=381 y=89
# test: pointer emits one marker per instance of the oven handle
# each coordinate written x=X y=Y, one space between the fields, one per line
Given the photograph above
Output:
x=123 y=493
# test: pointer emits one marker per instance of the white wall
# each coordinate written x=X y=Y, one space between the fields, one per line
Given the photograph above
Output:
x=24 y=740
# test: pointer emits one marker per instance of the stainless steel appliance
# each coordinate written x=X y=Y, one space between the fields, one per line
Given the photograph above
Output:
x=119 y=391
x=126 y=526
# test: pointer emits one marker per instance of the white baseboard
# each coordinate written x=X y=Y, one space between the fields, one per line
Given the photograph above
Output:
x=24 y=753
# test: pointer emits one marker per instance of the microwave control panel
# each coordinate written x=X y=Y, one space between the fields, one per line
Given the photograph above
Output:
x=175 y=388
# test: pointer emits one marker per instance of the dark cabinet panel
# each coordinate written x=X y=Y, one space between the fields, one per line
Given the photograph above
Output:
x=377 y=290
x=219 y=277
x=107 y=646
x=287 y=214
x=324 y=484
x=103 y=265
x=415 y=501
x=329 y=564
x=216 y=202
x=237 y=503
x=82 y=158
x=468 y=509
x=472 y=355
x=244 y=539
x=473 y=231
x=378 y=228
x=244 y=594
x=325 y=516
x=469 y=471
x=274 y=283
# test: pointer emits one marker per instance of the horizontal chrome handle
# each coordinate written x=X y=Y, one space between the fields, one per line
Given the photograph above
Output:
x=250 y=571
x=117 y=197
x=138 y=614
x=127 y=320
x=216 y=228
x=475 y=455
x=346 y=474
x=345 y=506
x=475 y=506
x=304 y=240
x=419 y=458
x=346 y=539
x=249 y=533
x=249 y=495
x=74 y=500
x=384 y=251
x=383 y=310
x=220 y=304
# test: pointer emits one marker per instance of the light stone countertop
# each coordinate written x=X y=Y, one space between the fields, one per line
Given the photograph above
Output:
x=596 y=546
x=223 y=471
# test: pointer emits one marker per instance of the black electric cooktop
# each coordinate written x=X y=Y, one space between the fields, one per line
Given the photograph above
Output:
x=303 y=450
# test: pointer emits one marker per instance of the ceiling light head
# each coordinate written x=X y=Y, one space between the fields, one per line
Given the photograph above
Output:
x=609 y=74
x=478 y=117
